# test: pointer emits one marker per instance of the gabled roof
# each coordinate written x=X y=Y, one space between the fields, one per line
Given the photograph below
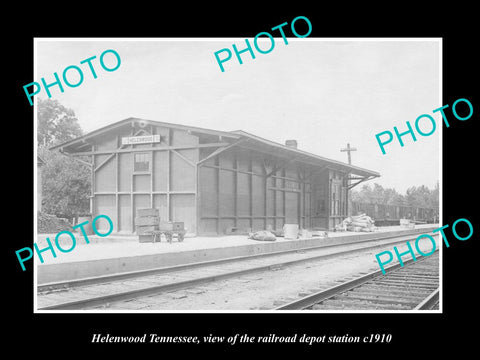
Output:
x=253 y=142
x=128 y=122
x=309 y=157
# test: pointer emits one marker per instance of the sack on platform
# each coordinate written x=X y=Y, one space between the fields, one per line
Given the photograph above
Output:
x=262 y=235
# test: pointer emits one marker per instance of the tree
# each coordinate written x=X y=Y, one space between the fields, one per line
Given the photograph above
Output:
x=66 y=182
x=377 y=195
x=364 y=195
x=434 y=197
x=66 y=186
x=56 y=123
x=420 y=196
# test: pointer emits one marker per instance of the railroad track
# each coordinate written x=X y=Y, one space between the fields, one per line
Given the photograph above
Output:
x=412 y=287
x=102 y=291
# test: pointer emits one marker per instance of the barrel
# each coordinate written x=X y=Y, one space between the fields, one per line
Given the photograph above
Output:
x=290 y=231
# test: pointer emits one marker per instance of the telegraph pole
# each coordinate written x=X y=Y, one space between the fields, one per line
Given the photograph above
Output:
x=348 y=149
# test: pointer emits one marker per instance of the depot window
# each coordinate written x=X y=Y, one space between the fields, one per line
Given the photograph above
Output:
x=141 y=162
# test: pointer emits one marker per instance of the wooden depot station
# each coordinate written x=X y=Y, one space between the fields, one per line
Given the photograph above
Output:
x=215 y=182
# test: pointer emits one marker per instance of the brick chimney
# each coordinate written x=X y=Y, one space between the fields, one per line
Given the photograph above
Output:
x=291 y=143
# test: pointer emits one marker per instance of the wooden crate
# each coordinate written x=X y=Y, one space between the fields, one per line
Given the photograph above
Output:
x=171 y=226
x=146 y=223
x=147 y=220
x=144 y=230
x=178 y=226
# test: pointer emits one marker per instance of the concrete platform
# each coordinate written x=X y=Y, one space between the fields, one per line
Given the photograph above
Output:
x=119 y=253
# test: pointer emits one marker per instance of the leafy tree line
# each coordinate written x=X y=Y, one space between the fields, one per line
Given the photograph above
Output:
x=420 y=196
x=66 y=182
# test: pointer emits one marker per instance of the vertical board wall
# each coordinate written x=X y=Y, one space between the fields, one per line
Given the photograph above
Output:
x=169 y=184
x=238 y=188
x=246 y=190
x=338 y=198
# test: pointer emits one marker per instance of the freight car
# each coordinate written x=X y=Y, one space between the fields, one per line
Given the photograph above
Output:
x=385 y=215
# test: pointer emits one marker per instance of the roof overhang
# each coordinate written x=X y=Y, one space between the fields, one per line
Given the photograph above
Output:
x=303 y=156
x=79 y=143
x=234 y=138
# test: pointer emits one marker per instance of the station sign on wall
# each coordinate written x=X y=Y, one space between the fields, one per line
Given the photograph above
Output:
x=145 y=139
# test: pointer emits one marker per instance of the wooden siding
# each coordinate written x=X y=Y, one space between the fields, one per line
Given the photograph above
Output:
x=169 y=184
x=245 y=190
x=210 y=185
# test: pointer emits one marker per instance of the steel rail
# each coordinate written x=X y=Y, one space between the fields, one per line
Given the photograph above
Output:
x=151 y=290
x=323 y=295
x=162 y=270
x=429 y=302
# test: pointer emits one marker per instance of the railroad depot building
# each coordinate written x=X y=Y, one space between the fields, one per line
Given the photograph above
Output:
x=216 y=182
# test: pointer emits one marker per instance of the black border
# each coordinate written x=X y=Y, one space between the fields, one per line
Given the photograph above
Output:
x=411 y=333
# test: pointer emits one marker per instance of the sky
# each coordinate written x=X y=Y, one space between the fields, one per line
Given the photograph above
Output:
x=324 y=93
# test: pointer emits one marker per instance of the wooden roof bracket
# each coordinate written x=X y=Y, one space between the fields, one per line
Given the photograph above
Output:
x=222 y=149
x=74 y=157
x=361 y=179
x=282 y=166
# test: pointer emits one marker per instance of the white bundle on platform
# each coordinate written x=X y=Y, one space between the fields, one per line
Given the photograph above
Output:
x=357 y=223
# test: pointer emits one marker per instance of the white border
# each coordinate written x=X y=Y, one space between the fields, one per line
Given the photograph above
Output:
x=280 y=312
